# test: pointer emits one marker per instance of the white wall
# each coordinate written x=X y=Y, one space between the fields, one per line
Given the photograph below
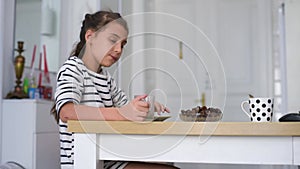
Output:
x=239 y=53
x=1 y=64
x=293 y=54
x=52 y=42
x=6 y=51
x=31 y=33
x=70 y=23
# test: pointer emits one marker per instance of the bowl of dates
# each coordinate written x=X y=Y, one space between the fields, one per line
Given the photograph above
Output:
x=203 y=114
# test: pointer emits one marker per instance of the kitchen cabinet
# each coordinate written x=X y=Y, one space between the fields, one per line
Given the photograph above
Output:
x=30 y=134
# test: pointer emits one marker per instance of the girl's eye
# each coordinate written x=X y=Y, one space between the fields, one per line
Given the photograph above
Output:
x=122 y=45
x=113 y=41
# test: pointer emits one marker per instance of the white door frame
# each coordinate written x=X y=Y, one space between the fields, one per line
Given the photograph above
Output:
x=7 y=15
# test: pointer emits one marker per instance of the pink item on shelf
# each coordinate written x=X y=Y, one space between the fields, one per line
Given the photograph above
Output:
x=46 y=65
x=40 y=71
x=47 y=88
x=33 y=56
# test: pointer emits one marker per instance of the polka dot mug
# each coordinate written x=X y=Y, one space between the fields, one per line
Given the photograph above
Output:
x=260 y=109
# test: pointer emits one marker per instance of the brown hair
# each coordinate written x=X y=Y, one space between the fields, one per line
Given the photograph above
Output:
x=96 y=22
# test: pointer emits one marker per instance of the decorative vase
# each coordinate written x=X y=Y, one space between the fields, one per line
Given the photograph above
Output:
x=19 y=63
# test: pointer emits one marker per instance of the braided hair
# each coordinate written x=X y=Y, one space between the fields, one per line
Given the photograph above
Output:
x=96 y=22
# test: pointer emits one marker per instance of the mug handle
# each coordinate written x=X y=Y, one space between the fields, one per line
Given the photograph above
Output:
x=244 y=110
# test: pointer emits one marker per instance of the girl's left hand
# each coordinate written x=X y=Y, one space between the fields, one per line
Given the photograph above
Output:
x=160 y=108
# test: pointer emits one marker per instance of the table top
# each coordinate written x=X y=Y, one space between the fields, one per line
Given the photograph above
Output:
x=187 y=128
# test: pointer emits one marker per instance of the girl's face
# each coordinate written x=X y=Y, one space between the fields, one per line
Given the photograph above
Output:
x=106 y=46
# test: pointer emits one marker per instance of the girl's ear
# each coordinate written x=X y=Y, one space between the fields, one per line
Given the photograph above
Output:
x=88 y=34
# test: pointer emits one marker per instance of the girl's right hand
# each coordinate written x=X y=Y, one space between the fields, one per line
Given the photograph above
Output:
x=136 y=109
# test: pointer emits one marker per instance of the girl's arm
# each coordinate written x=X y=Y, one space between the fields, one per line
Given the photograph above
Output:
x=136 y=110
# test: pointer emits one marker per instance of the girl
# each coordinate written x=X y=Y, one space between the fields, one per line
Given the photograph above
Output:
x=87 y=92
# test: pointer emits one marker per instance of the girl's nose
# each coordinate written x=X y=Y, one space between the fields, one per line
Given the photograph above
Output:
x=118 y=48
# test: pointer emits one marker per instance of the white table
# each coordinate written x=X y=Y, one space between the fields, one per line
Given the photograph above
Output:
x=225 y=142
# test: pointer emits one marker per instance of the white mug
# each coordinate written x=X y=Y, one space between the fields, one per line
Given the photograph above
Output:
x=150 y=100
x=260 y=109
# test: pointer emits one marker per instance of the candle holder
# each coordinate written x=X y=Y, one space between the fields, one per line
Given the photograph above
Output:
x=19 y=63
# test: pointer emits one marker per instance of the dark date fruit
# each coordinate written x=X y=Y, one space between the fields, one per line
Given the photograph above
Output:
x=203 y=113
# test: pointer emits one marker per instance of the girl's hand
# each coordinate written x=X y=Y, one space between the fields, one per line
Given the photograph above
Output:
x=160 y=108
x=135 y=110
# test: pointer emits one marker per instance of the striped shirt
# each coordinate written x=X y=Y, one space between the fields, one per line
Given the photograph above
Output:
x=79 y=85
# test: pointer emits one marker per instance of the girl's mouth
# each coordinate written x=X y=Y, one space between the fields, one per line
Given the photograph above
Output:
x=115 y=58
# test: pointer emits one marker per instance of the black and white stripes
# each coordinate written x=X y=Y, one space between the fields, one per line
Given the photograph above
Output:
x=77 y=84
